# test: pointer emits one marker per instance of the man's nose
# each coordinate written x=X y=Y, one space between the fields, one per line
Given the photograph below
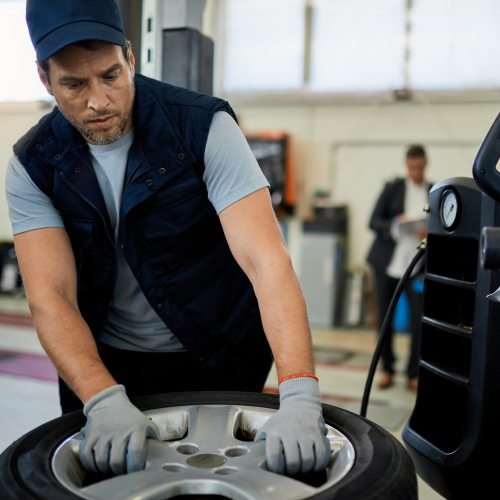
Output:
x=97 y=99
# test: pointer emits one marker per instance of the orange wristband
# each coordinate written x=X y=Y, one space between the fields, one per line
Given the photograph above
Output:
x=297 y=376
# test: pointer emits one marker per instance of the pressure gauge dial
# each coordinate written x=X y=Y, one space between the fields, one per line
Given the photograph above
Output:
x=450 y=210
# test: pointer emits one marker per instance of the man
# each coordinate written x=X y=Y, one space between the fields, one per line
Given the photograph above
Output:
x=401 y=200
x=149 y=250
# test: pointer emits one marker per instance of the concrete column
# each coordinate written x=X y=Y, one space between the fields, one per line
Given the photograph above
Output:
x=173 y=47
x=177 y=14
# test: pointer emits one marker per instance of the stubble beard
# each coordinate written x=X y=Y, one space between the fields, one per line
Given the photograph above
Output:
x=97 y=138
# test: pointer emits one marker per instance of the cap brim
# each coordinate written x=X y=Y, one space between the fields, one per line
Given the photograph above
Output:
x=77 y=32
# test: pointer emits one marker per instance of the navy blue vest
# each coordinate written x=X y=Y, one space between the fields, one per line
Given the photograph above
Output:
x=171 y=235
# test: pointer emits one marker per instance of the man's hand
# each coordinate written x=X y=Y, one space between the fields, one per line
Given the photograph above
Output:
x=114 y=438
x=296 y=434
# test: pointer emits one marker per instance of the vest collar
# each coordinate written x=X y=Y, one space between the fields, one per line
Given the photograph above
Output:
x=157 y=132
x=158 y=147
x=57 y=141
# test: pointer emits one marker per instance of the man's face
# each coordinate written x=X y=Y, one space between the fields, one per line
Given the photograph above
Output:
x=416 y=169
x=94 y=90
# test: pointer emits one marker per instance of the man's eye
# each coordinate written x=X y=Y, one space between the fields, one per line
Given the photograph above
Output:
x=72 y=85
x=110 y=78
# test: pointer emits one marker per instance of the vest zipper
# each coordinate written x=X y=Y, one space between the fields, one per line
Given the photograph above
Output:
x=93 y=206
x=137 y=174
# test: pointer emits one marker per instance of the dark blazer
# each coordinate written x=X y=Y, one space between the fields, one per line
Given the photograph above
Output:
x=389 y=205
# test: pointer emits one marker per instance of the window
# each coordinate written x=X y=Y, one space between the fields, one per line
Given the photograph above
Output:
x=264 y=47
x=19 y=80
x=454 y=44
x=361 y=45
x=357 y=46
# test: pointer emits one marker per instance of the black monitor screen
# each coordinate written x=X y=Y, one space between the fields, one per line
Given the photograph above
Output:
x=271 y=155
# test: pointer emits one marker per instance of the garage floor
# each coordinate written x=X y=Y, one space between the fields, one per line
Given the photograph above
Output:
x=29 y=397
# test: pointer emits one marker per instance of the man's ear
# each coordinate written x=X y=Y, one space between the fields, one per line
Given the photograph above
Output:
x=43 y=79
x=132 y=62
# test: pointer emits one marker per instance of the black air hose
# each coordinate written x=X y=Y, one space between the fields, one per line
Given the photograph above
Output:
x=387 y=320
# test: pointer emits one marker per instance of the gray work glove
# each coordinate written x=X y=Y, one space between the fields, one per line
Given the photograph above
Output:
x=114 y=438
x=296 y=434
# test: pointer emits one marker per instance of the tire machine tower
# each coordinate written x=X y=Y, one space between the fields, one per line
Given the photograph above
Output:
x=452 y=434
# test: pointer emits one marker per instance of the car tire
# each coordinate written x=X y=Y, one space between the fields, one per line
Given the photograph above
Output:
x=382 y=468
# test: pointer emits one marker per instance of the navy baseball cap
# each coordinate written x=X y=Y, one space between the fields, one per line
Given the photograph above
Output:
x=53 y=24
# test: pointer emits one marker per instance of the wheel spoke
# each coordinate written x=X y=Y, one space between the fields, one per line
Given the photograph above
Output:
x=252 y=455
x=262 y=484
x=137 y=486
x=168 y=482
x=160 y=452
x=213 y=426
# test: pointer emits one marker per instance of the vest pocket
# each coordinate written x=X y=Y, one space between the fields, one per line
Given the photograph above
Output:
x=244 y=317
x=172 y=218
x=172 y=194
x=79 y=232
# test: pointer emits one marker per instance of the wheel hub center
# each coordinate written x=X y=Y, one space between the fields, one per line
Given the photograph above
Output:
x=206 y=460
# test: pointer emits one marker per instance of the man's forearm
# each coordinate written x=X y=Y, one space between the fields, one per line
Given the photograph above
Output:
x=68 y=342
x=284 y=316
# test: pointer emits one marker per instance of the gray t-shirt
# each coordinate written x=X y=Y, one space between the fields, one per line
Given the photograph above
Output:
x=231 y=173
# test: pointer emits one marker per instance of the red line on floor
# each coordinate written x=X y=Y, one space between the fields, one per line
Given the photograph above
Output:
x=33 y=366
x=16 y=319
x=339 y=398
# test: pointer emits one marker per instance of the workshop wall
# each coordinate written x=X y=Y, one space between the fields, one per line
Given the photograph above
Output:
x=352 y=149
x=16 y=118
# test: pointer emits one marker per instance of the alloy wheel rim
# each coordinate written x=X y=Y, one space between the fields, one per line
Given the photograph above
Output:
x=199 y=453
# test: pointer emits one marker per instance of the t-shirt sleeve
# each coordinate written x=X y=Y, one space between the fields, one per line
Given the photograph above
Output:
x=29 y=208
x=231 y=170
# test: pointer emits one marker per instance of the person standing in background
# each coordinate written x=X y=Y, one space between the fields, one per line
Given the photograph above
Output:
x=401 y=201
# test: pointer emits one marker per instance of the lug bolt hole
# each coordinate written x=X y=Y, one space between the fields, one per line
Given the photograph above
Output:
x=226 y=471
x=188 y=449
x=174 y=468
x=236 y=452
